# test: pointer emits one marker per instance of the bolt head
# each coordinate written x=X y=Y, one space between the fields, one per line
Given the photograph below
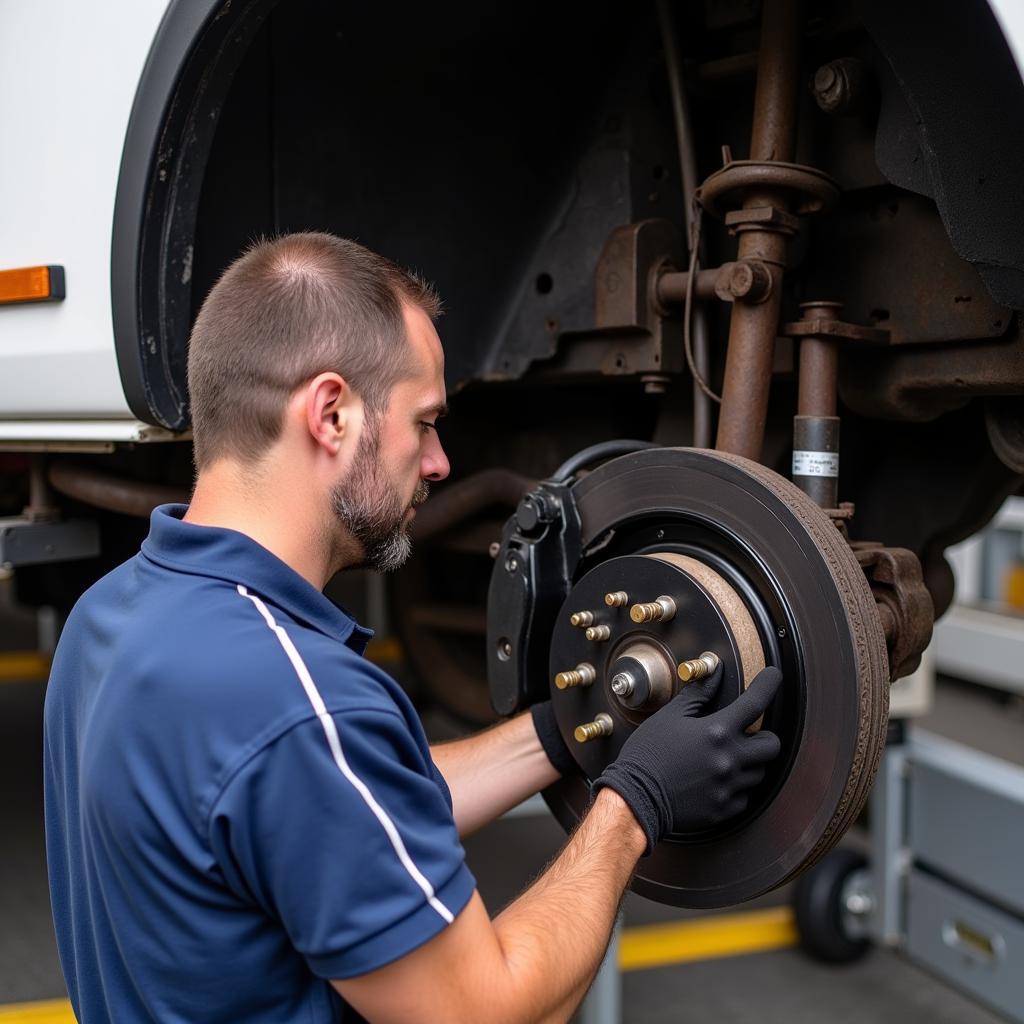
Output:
x=623 y=684
x=741 y=280
x=825 y=78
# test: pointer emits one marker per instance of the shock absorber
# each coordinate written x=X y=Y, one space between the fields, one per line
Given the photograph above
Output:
x=816 y=425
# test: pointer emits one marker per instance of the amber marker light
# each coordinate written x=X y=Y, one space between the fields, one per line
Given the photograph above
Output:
x=31 y=284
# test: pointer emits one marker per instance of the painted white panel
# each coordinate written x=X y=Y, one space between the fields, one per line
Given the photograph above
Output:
x=1010 y=15
x=68 y=75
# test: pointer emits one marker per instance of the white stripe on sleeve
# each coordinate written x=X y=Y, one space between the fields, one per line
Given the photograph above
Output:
x=334 y=742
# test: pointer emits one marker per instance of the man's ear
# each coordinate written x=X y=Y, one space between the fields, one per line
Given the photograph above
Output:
x=333 y=411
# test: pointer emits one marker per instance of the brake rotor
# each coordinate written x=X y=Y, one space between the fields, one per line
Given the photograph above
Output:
x=755 y=573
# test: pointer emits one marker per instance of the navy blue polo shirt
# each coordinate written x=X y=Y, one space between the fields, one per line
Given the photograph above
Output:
x=239 y=806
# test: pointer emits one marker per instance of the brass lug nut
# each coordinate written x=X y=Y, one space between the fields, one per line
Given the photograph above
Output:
x=598 y=633
x=600 y=726
x=698 y=668
x=661 y=610
x=582 y=618
x=617 y=599
x=582 y=675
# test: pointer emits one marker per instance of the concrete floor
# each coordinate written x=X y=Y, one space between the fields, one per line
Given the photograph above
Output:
x=778 y=987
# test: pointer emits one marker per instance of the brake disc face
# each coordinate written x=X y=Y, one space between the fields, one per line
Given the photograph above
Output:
x=728 y=558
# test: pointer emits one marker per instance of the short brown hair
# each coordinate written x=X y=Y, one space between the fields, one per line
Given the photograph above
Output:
x=284 y=311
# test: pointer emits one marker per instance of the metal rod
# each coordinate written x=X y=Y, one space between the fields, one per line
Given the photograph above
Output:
x=117 y=494
x=752 y=328
x=819 y=364
x=688 y=174
x=671 y=287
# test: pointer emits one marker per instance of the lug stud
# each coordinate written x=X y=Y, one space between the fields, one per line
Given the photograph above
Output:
x=600 y=726
x=582 y=675
x=598 y=633
x=661 y=610
x=616 y=599
x=698 y=668
x=582 y=618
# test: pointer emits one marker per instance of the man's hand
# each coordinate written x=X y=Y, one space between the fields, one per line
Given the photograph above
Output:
x=679 y=773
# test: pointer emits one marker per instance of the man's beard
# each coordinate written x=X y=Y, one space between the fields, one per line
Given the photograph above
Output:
x=372 y=510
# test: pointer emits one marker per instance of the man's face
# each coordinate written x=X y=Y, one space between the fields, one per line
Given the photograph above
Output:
x=398 y=452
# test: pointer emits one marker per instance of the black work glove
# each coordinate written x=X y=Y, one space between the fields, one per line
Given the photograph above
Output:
x=551 y=737
x=680 y=773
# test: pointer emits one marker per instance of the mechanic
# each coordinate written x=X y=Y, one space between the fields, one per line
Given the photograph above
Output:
x=244 y=819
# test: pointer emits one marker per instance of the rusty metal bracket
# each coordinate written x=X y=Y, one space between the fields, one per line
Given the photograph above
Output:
x=762 y=218
x=817 y=191
x=904 y=604
x=825 y=327
x=633 y=332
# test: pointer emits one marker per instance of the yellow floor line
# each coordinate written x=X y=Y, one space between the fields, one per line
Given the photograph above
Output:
x=706 y=938
x=384 y=651
x=50 y=1011
x=24 y=667
x=658 y=945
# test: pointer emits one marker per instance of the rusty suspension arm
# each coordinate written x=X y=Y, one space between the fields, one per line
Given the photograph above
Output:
x=752 y=328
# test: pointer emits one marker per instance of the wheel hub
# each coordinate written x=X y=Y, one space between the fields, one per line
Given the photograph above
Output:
x=636 y=667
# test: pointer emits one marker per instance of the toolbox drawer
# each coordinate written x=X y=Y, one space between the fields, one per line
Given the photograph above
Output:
x=976 y=946
x=967 y=819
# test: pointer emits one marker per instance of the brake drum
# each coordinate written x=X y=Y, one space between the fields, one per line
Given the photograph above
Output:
x=757 y=574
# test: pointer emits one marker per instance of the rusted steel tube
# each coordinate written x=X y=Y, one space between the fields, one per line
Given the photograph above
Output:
x=113 y=493
x=752 y=328
x=671 y=286
x=819 y=363
x=778 y=78
x=456 y=502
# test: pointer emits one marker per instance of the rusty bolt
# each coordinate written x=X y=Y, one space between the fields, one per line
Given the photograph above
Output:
x=839 y=85
x=743 y=281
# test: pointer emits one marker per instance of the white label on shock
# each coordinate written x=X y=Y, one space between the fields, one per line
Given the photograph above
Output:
x=815 y=463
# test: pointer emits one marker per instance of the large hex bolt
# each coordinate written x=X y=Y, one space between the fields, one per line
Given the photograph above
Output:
x=744 y=281
x=840 y=85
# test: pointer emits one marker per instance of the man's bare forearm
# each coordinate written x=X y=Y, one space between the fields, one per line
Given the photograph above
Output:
x=493 y=771
x=533 y=963
x=554 y=936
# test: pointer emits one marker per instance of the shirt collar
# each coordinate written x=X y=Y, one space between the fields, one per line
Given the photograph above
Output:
x=228 y=555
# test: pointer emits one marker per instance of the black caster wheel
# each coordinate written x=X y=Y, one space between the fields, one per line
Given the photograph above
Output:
x=831 y=902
